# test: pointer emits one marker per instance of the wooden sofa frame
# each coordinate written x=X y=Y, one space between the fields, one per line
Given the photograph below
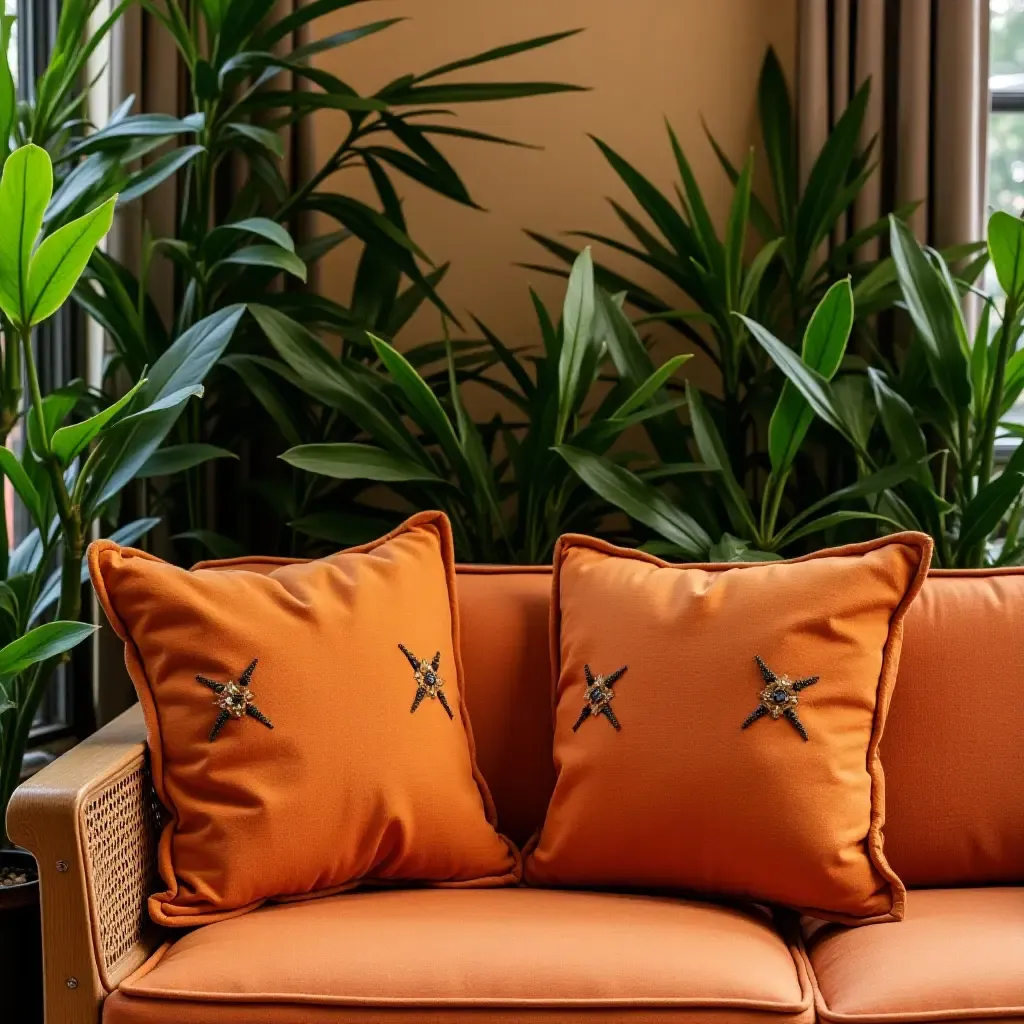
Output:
x=91 y=819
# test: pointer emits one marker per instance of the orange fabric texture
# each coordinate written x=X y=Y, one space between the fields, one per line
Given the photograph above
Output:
x=503 y=620
x=348 y=786
x=682 y=796
x=516 y=949
x=958 y=955
x=954 y=745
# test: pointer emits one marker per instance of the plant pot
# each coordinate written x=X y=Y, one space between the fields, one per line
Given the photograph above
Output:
x=21 y=947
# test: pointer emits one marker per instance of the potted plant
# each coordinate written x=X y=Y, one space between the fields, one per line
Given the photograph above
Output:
x=68 y=474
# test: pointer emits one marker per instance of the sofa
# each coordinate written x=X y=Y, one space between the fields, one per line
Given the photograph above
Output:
x=953 y=754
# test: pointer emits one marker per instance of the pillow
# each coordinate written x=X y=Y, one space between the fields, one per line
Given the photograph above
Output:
x=717 y=726
x=306 y=726
x=954 y=743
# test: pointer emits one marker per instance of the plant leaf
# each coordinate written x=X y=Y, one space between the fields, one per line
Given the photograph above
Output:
x=176 y=458
x=60 y=259
x=808 y=382
x=985 y=511
x=936 y=315
x=577 y=330
x=68 y=442
x=638 y=500
x=22 y=484
x=1006 y=249
x=824 y=345
x=268 y=256
x=45 y=641
x=25 y=191
x=713 y=453
x=350 y=461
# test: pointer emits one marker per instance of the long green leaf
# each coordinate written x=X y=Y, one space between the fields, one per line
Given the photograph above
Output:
x=824 y=345
x=424 y=407
x=650 y=387
x=25 y=191
x=46 y=641
x=268 y=256
x=808 y=382
x=776 y=115
x=1006 y=249
x=22 y=484
x=577 y=337
x=60 y=259
x=176 y=458
x=836 y=519
x=350 y=461
x=712 y=451
x=638 y=500
x=985 y=511
x=68 y=442
x=935 y=313
x=498 y=53
x=736 y=234
x=867 y=486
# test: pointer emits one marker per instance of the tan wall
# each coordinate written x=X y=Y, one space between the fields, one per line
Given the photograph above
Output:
x=643 y=59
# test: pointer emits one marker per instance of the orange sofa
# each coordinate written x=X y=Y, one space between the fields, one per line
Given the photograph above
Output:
x=955 y=833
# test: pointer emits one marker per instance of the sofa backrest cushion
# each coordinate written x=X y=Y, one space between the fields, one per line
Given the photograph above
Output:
x=279 y=704
x=953 y=747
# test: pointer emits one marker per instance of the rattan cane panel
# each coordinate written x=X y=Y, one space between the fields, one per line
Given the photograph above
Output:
x=121 y=826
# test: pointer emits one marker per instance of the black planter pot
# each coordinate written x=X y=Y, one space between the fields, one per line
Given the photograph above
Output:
x=21 y=947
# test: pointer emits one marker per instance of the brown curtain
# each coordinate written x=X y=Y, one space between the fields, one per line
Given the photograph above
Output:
x=928 y=65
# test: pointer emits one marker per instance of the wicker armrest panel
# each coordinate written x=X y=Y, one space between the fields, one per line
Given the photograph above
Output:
x=91 y=820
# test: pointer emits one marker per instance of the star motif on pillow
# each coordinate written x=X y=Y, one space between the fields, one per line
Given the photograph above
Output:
x=235 y=700
x=428 y=682
x=779 y=698
x=599 y=695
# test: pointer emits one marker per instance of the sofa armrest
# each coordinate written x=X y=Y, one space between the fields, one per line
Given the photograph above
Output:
x=91 y=819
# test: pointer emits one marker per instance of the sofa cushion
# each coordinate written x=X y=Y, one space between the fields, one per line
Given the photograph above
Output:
x=504 y=951
x=503 y=614
x=717 y=726
x=953 y=743
x=341 y=755
x=957 y=954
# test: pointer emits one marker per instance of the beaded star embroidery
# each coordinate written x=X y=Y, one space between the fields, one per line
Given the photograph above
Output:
x=235 y=700
x=779 y=698
x=428 y=682
x=598 y=696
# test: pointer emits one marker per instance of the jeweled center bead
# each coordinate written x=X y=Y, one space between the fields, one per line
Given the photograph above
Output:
x=780 y=696
x=429 y=678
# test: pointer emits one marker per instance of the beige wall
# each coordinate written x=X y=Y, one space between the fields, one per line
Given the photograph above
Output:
x=643 y=59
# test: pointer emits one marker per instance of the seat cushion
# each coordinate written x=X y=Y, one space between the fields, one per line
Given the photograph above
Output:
x=957 y=954
x=499 y=955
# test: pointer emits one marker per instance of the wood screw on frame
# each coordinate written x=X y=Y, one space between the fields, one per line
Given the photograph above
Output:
x=72 y=983
x=62 y=866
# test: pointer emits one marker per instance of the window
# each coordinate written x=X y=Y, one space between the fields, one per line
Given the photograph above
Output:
x=1006 y=128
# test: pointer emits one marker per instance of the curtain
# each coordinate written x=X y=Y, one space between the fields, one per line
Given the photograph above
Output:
x=928 y=65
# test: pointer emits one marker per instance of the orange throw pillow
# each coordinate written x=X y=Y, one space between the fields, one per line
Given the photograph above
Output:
x=717 y=726
x=306 y=726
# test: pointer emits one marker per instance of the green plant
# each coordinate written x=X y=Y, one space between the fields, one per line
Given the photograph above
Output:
x=751 y=535
x=508 y=493
x=780 y=286
x=68 y=474
x=943 y=405
x=234 y=244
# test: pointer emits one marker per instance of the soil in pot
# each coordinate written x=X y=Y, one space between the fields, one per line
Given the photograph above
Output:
x=21 y=950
